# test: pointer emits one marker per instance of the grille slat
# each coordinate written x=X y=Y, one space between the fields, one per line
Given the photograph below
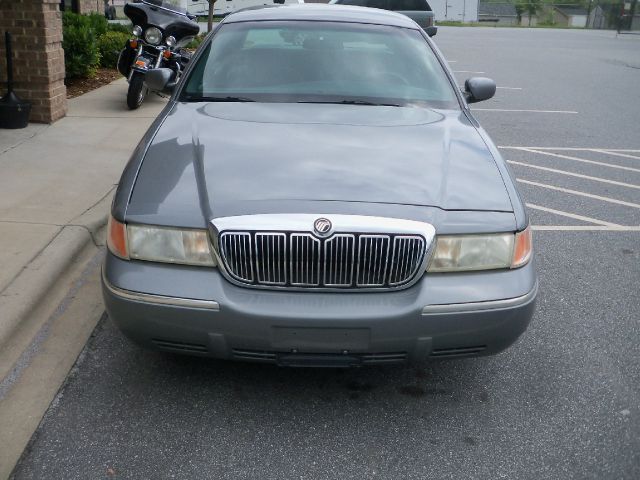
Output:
x=305 y=258
x=299 y=259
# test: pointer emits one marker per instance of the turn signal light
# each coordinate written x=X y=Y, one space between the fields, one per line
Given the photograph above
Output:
x=523 y=248
x=117 y=238
x=133 y=43
x=166 y=54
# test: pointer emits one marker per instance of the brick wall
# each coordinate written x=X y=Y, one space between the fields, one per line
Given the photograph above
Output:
x=88 y=6
x=38 y=58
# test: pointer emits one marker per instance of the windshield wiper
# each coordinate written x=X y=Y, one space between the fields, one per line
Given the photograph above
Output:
x=352 y=102
x=194 y=98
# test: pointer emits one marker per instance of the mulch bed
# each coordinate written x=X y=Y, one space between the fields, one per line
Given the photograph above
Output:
x=80 y=86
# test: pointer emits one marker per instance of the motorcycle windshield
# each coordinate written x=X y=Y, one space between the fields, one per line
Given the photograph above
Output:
x=178 y=6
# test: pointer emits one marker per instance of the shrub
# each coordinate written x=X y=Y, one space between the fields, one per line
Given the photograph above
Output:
x=120 y=27
x=98 y=23
x=81 y=55
x=195 y=43
x=109 y=46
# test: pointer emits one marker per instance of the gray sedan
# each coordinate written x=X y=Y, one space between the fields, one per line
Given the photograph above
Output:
x=317 y=192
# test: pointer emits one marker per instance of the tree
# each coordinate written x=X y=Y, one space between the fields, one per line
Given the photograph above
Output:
x=530 y=7
x=210 y=16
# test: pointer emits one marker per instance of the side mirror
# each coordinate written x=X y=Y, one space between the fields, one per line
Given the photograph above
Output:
x=431 y=31
x=478 y=89
x=160 y=80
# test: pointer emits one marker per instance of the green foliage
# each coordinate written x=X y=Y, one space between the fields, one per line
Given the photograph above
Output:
x=120 y=27
x=81 y=56
x=195 y=43
x=90 y=41
x=98 y=23
x=109 y=46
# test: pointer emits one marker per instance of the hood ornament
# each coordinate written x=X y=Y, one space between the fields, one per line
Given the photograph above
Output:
x=322 y=226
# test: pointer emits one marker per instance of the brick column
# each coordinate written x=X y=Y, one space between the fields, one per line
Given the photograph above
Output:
x=38 y=58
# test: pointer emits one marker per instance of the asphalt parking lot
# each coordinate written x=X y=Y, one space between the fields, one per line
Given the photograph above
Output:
x=564 y=402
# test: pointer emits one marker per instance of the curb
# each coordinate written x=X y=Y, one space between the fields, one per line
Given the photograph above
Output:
x=26 y=291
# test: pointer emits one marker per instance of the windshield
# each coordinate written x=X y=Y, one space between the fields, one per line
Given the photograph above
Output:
x=179 y=6
x=319 y=62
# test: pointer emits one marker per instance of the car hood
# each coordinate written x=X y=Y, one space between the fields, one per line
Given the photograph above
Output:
x=211 y=160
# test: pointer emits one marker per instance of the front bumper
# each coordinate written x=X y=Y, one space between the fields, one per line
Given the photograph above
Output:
x=196 y=311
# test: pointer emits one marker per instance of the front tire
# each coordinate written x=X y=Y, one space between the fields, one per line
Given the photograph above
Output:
x=137 y=91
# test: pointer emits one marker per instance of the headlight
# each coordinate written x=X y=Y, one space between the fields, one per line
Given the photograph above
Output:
x=137 y=30
x=159 y=244
x=170 y=41
x=153 y=35
x=456 y=253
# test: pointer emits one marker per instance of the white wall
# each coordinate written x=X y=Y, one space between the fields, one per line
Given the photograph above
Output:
x=455 y=10
x=578 y=21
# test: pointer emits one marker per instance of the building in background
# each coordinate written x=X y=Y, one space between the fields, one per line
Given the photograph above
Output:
x=455 y=10
x=569 y=16
x=497 y=13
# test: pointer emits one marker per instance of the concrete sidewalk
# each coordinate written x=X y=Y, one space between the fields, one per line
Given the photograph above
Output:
x=56 y=183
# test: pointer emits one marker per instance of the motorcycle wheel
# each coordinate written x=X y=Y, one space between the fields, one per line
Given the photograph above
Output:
x=137 y=91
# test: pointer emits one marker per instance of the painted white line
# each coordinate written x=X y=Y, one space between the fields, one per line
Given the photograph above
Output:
x=617 y=154
x=466 y=71
x=525 y=111
x=578 y=175
x=575 y=149
x=582 y=194
x=452 y=61
x=572 y=215
x=583 y=228
x=576 y=159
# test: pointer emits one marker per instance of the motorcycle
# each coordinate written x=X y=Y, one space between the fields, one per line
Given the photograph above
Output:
x=161 y=29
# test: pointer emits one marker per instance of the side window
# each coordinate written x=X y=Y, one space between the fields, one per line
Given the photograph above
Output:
x=410 y=5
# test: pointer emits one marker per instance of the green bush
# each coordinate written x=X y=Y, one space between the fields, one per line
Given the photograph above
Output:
x=195 y=43
x=120 y=27
x=109 y=46
x=81 y=56
x=98 y=23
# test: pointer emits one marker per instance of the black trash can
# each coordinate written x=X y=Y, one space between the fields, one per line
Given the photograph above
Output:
x=14 y=112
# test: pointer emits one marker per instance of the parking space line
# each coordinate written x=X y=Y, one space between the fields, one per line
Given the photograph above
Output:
x=582 y=194
x=576 y=159
x=524 y=111
x=577 y=175
x=577 y=149
x=617 y=154
x=573 y=216
x=584 y=228
x=466 y=71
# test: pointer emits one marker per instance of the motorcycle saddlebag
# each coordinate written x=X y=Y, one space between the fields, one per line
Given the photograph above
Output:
x=125 y=59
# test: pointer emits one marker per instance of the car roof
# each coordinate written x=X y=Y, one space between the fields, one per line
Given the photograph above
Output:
x=323 y=12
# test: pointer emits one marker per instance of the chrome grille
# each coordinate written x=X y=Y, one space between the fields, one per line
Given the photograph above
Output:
x=372 y=260
x=235 y=248
x=305 y=260
x=344 y=260
x=271 y=258
x=406 y=258
x=338 y=260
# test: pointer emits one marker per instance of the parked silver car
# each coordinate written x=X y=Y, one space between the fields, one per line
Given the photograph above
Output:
x=317 y=192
